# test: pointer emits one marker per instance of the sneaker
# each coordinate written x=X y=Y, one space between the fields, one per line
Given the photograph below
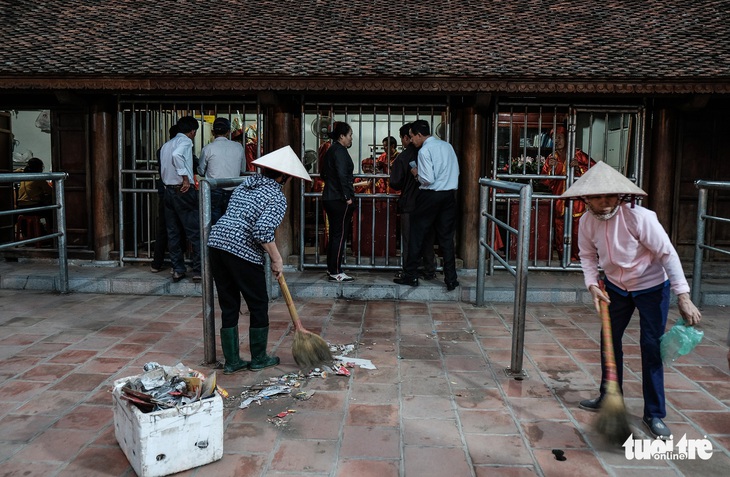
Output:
x=340 y=277
x=593 y=405
x=657 y=428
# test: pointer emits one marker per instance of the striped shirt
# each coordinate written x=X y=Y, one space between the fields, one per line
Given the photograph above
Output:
x=255 y=210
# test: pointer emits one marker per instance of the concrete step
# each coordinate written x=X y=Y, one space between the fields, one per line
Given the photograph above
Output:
x=109 y=278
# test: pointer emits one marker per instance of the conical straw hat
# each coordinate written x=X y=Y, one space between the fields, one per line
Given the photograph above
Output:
x=602 y=179
x=283 y=160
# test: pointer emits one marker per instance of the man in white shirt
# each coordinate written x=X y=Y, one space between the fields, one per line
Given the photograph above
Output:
x=438 y=174
x=181 y=197
x=220 y=159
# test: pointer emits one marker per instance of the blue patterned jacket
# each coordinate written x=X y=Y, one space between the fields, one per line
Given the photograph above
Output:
x=255 y=210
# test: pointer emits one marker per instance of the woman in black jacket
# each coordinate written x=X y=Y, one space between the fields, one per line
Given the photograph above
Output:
x=337 y=197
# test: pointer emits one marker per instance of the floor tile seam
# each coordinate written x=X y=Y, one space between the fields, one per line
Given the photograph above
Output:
x=452 y=401
x=517 y=421
x=697 y=427
x=348 y=393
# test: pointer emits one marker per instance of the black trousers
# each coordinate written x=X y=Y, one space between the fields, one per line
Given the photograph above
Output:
x=437 y=210
x=181 y=216
x=339 y=216
x=219 y=199
x=233 y=277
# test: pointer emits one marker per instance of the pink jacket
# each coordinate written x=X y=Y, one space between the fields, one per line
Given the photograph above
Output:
x=632 y=248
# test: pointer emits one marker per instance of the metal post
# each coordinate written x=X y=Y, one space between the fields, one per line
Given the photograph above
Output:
x=699 y=245
x=207 y=283
x=62 y=238
x=523 y=253
x=482 y=257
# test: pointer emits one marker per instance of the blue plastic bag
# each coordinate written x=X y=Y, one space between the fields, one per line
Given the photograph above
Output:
x=678 y=341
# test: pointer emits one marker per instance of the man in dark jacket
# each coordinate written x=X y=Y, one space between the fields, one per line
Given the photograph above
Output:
x=401 y=178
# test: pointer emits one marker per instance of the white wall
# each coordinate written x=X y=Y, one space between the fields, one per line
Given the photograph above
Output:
x=29 y=138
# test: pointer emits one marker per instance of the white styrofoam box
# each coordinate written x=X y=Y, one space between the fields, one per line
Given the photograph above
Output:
x=168 y=441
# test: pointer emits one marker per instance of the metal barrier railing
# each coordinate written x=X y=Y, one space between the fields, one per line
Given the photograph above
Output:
x=58 y=179
x=700 y=246
x=204 y=209
x=519 y=271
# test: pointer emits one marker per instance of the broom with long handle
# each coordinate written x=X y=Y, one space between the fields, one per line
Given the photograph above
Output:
x=309 y=349
x=612 y=421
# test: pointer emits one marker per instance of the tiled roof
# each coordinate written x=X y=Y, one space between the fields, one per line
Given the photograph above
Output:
x=384 y=43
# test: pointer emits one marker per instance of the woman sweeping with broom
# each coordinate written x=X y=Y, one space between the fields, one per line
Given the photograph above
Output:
x=238 y=242
x=641 y=267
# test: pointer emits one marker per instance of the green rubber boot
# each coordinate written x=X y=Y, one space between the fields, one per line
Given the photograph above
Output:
x=229 y=343
x=258 y=338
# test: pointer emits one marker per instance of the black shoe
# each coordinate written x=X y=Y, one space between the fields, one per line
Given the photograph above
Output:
x=427 y=276
x=657 y=428
x=452 y=285
x=196 y=277
x=154 y=269
x=593 y=405
x=177 y=276
x=406 y=281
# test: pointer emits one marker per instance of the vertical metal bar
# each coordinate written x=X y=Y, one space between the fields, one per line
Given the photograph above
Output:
x=207 y=276
x=518 y=327
x=482 y=251
x=133 y=145
x=493 y=192
x=120 y=180
x=62 y=238
x=302 y=190
x=699 y=245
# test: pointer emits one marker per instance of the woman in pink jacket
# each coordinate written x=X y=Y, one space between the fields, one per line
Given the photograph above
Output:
x=640 y=266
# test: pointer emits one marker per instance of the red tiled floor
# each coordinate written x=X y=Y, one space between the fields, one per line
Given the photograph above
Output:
x=370 y=441
x=435 y=461
x=304 y=456
x=431 y=432
x=491 y=449
x=47 y=372
x=86 y=418
x=372 y=415
x=73 y=356
x=439 y=403
x=367 y=468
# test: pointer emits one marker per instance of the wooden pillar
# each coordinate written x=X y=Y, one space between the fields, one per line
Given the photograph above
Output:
x=102 y=173
x=470 y=170
x=661 y=165
x=281 y=133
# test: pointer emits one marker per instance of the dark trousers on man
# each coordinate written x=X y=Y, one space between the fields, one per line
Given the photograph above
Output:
x=219 y=199
x=429 y=258
x=435 y=210
x=233 y=277
x=181 y=215
x=653 y=308
x=339 y=218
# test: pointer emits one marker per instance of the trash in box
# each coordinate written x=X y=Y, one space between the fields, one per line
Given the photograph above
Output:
x=168 y=419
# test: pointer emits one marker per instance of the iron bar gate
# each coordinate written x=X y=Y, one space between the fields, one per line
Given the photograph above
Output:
x=700 y=245
x=374 y=240
x=550 y=146
x=58 y=179
x=143 y=127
